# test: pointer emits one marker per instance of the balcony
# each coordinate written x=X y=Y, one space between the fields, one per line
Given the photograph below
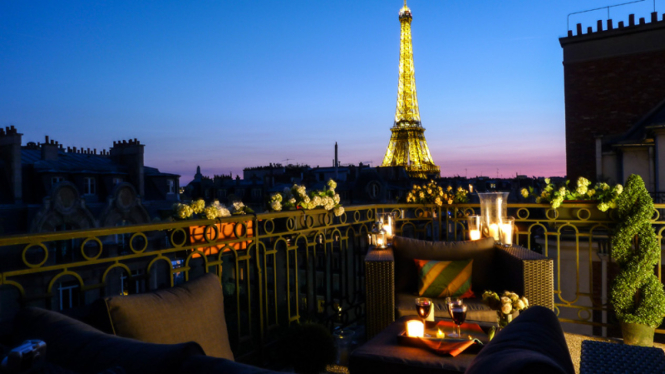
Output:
x=278 y=268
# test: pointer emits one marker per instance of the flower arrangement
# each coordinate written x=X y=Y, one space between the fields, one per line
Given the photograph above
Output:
x=432 y=193
x=198 y=209
x=505 y=305
x=554 y=195
x=297 y=197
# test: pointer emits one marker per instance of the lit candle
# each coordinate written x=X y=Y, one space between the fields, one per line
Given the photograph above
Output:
x=389 y=231
x=507 y=234
x=474 y=234
x=379 y=242
x=494 y=231
x=440 y=334
x=415 y=329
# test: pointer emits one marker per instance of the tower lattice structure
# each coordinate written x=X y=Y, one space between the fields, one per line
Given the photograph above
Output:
x=408 y=147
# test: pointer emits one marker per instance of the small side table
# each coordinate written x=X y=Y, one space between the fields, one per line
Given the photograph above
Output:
x=609 y=358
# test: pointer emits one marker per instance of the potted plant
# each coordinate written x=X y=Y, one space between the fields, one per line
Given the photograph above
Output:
x=636 y=294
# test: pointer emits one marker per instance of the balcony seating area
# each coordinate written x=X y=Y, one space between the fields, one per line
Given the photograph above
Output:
x=175 y=330
x=392 y=280
x=183 y=330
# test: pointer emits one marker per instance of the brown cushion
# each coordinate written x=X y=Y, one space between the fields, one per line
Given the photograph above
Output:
x=193 y=311
x=406 y=250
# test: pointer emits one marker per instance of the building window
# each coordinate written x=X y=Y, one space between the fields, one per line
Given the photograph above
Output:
x=117 y=181
x=256 y=193
x=170 y=185
x=374 y=190
x=68 y=294
x=128 y=287
x=56 y=180
x=89 y=186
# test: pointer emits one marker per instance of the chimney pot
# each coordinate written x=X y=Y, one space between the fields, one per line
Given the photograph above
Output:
x=599 y=25
x=570 y=33
x=589 y=30
x=609 y=24
x=654 y=17
x=631 y=20
x=621 y=24
x=642 y=21
x=46 y=142
x=579 y=29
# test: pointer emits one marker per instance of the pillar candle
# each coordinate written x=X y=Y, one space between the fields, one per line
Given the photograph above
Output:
x=474 y=234
x=507 y=234
x=494 y=231
x=415 y=329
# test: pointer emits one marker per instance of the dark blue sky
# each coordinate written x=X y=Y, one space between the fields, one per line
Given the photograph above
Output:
x=232 y=84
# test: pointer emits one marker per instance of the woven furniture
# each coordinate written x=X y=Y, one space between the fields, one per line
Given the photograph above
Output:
x=532 y=343
x=521 y=270
x=609 y=358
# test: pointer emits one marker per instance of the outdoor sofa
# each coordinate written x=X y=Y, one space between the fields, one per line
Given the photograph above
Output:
x=170 y=331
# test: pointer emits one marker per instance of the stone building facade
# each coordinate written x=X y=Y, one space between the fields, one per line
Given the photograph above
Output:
x=614 y=84
x=47 y=187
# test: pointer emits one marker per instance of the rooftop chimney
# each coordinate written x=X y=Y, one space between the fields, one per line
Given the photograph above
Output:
x=130 y=155
x=49 y=150
x=10 y=153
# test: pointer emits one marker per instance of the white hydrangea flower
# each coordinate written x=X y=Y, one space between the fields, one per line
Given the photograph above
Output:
x=276 y=206
x=222 y=211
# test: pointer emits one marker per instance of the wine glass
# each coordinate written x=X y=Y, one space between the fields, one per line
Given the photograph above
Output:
x=423 y=307
x=458 y=313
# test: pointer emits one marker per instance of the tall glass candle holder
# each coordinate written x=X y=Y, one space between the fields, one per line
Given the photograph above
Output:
x=388 y=225
x=507 y=230
x=474 y=227
x=493 y=208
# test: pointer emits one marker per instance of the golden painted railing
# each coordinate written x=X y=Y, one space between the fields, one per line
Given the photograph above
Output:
x=277 y=268
x=576 y=236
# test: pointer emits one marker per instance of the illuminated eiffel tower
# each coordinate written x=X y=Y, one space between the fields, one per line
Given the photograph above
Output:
x=408 y=147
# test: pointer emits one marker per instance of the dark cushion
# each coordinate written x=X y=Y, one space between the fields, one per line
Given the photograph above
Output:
x=476 y=309
x=480 y=251
x=193 y=311
x=532 y=343
x=79 y=347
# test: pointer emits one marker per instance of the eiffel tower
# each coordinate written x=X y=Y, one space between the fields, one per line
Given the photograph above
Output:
x=408 y=147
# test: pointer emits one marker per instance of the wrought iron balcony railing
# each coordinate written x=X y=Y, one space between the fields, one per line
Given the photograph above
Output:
x=277 y=268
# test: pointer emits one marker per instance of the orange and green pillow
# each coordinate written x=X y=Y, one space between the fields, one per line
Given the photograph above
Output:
x=444 y=278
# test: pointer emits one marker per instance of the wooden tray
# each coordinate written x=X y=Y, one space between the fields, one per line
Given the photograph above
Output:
x=469 y=330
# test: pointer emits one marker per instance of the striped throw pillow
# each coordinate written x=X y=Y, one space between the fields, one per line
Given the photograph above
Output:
x=444 y=278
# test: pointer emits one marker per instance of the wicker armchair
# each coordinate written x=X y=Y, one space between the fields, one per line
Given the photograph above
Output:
x=521 y=270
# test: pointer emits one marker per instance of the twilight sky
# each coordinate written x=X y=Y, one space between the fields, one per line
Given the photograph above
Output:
x=233 y=84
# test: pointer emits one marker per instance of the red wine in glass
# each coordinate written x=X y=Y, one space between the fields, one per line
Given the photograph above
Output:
x=423 y=307
x=458 y=313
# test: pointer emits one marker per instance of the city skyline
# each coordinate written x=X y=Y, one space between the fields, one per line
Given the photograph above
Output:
x=228 y=85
